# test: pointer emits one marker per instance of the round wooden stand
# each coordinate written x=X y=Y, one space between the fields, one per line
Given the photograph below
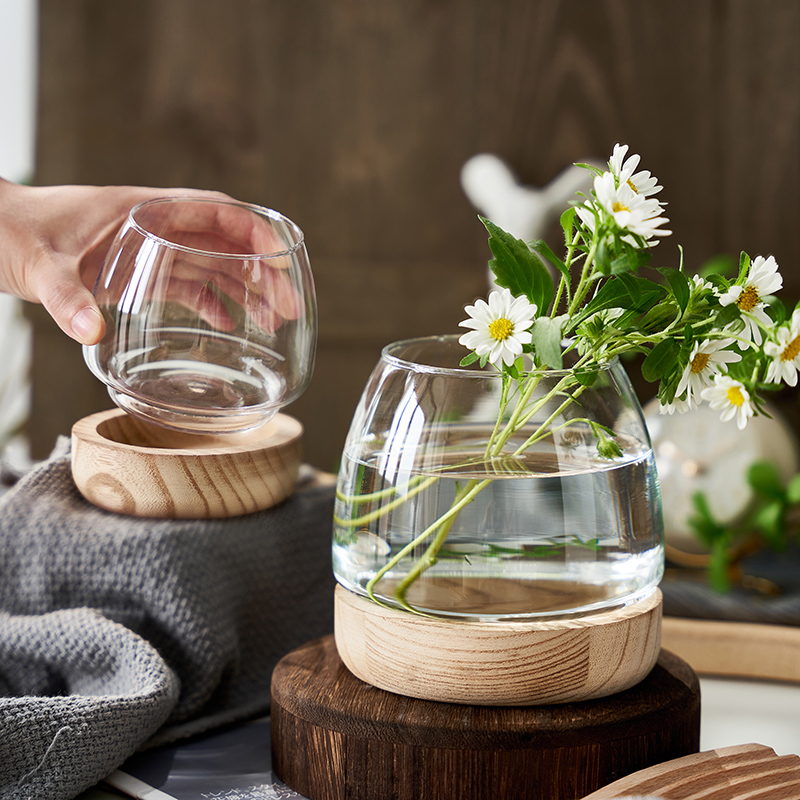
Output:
x=498 y=663
x=128 y=466
x=336 y=737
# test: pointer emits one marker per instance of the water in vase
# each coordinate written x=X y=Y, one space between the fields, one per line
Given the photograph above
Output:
x=537 y=537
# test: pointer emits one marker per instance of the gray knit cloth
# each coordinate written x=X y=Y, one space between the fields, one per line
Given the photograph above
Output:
x=118 y=633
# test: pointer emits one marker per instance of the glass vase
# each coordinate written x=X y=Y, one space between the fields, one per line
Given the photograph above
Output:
x=210 y=315
x=466 y=495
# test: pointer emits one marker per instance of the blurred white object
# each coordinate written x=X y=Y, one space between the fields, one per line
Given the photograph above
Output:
x=697 y=452
x=18 y=57
x=524 y=211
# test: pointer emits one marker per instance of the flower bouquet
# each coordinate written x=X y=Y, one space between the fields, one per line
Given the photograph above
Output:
x=441 y=501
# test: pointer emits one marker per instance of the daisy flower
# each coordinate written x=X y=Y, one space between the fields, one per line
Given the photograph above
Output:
x=762 y=279
x=785 y=352
x=705 y=362
x=500 y=327
x=624 y=170
x=730 y=396
x=681 y=405
x=701 y=284
x=631 y=211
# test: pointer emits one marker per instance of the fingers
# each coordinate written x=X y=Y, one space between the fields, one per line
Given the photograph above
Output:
x=73 y=308
x=256 y=287
x=267 y=304
x=218 y=227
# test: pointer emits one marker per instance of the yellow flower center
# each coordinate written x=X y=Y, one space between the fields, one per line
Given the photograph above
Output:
x=700 y=362
x=630 y=183
x=748 y=299
x=792 y=350
x=735 y=396
x=501 y=329
x=619 y=207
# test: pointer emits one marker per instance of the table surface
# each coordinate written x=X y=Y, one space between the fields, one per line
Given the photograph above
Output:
x=743 y=711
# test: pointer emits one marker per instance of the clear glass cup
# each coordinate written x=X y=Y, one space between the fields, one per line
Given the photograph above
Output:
x=210 y=315
x=458 y=502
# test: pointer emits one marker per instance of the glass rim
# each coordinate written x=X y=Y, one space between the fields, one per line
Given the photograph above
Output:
x=259 y=211
x=389 y=354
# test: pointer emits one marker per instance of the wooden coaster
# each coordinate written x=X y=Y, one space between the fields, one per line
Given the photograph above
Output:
x=128 y=466
x=498 y=663
x=336 y=737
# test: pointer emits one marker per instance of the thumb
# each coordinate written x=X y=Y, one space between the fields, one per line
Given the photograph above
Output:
x=74 y=310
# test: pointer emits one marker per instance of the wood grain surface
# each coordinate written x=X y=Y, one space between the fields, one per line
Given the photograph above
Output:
x=355 y=119
x=743 y=772
x=735 y=649
x=131 y=467
x=334 y=736
x=497 y=663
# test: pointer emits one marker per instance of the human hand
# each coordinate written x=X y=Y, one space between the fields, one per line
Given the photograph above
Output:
x=56 y=237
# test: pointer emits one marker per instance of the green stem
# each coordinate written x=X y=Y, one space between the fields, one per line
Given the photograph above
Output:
x=584 y=280
x=380 y=495
x=451 y=513
x=365 y=519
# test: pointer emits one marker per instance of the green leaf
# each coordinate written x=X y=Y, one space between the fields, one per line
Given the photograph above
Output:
x=611 y=294
x=719 y=567
x=764 y=477
x=602 y=258
x=586 y=377
x=540 y=247
x=517 y=268
x=632 y=286
x=769 y=521
x=567 y=223
x=593 y=169
x=777 y=309
x=793 y=490
x=727 y=314
x=679 y=284
x=744 y=265
x=708 y=530
x=630 y=260
x=547 y=341
x=660 y=360
x=718 y=281
x=471 y=358
x=656 y=318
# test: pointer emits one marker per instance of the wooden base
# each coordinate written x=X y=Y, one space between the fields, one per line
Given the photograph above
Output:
x=498 y=663
x=335 y=737
x=128 y=466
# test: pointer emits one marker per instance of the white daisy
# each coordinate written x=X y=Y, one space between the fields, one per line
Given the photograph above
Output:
x=624 y=169
x=500 y=327
x=732 y=397
x=705 y=362
x=631 y=211
x=681 y=405
x=701 y=284
x=785 y=352
x=762 y=279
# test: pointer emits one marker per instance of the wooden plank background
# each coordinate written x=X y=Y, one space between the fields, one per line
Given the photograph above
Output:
x=354 y=117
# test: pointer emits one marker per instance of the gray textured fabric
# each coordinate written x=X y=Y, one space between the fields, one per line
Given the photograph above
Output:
x=118 y=633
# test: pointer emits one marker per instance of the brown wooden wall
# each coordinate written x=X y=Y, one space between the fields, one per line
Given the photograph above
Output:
x=354 y=118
